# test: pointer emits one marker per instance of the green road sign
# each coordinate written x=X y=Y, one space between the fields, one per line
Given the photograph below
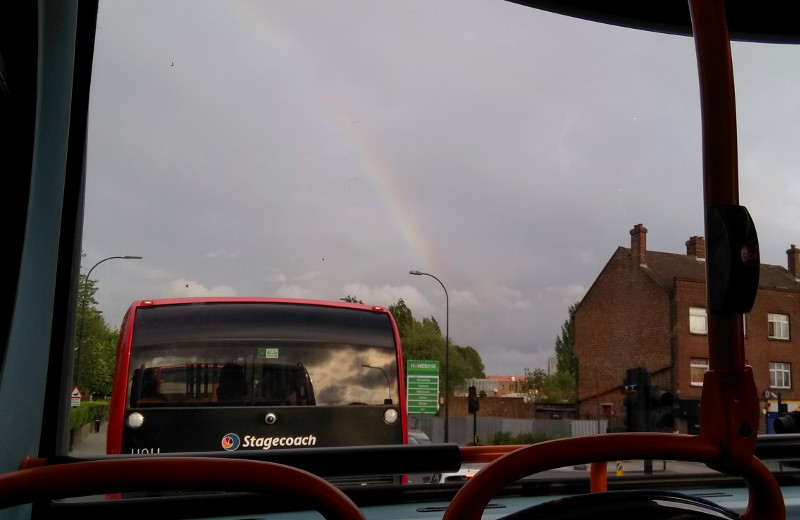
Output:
x=422 y=390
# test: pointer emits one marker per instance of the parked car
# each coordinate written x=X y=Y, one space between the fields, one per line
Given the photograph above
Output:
x=462 y=475
x=418 y=437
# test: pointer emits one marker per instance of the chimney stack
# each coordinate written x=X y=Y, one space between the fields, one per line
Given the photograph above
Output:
x=794 y=261
x=696 y=246
x=639 y=245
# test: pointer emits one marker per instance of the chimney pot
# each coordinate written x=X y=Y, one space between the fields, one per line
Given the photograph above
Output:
x=696 y=246
x=639 y=245
x=793 y=265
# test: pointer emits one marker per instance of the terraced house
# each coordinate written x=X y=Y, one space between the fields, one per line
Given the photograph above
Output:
x=647 y=309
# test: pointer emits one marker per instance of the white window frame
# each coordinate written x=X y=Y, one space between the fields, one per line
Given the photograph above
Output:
x=697 y=370
x=778 y=326
x=698 y=320
x=780 y=374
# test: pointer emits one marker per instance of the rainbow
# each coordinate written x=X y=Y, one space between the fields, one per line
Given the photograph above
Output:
x=372 y=162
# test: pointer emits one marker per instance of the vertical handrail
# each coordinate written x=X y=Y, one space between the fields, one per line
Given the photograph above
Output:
x=729 y=404
x=720 y=151
x=598 y=477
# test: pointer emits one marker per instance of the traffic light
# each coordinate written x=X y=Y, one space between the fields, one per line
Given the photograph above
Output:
x=636 y=386
x=648 y=408
x=662 y=405
x=473 y=403
x=788 y=422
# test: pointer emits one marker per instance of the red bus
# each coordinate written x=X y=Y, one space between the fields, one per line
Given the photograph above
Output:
x=213 y=374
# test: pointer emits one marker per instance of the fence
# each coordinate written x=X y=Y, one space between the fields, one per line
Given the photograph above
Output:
x=461 y=428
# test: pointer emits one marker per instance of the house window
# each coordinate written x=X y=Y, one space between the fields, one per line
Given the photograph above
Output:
x=698 y=322
x=778 y=326
x=780 y=375
x=697 y=370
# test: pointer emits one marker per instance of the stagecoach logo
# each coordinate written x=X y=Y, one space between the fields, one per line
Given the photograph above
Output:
x=231 y=442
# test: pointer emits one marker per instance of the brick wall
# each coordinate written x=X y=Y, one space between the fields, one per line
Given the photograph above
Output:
x=760 y=350
x=510 y=408
x=688 y=294
x=622 y=322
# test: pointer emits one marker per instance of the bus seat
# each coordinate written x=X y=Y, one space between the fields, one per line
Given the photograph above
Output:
x=232 y=386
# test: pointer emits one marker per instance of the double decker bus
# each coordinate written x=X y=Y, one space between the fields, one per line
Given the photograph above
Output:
x=47 y=51
x=214 y=374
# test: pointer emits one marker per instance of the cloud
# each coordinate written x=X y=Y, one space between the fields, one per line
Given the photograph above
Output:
x=307 y=276
x=296 y=291
x=506 y=150
x=223 y=254
x=183 y=288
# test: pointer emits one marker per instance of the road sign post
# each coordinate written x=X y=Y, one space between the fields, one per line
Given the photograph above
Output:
x=422 y=388
x=75 y=397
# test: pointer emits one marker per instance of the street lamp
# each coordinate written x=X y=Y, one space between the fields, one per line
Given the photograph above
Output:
x=388 y=385
x=83 y=313
x=446 y=352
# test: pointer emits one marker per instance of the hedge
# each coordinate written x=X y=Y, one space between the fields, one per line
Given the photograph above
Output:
x=87 y=412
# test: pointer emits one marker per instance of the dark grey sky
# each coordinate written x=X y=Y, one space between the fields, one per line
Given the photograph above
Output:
x=319 y=149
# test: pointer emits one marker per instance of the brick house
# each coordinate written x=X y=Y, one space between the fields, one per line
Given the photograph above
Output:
x=648 y=309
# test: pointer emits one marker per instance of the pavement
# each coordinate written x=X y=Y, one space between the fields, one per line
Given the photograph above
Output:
x=634 y=467
x=92 y=443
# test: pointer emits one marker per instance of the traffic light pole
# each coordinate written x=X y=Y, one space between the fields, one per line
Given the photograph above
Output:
x=648 y=408
x=473 y=405
x=475 y=429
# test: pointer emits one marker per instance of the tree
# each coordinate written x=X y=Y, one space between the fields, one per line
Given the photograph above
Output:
x=560 y=388
x=97 y=344
x=465 y=364
x=351 y=299
x=534 y=383
x=402 y=316
x=552 y=388
x=565 y=346
x=424 y=340
x=473 y=361
x=542 y=387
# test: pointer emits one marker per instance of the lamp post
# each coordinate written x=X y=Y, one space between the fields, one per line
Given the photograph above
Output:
x=388 y=385
x=83 y=313
x=446 y=353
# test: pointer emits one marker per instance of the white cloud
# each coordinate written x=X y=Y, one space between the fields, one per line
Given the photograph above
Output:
x=296 y=291
x=183 y=288
x=276 y=277
x=307 y=276
x=329 y=154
